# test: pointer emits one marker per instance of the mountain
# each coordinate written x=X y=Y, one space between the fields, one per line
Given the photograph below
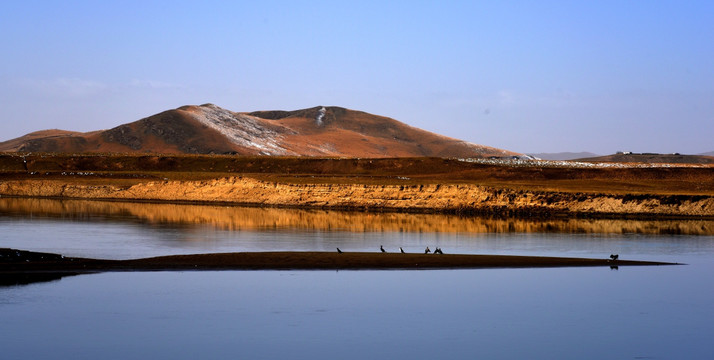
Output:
x=564 y=155
x=630 y=157
x=209 y=129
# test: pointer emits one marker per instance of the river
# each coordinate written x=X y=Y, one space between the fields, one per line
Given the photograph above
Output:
x=661 y=312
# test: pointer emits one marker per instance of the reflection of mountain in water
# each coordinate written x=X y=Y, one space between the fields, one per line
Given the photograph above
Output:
x=242 y=218
x=7 y=280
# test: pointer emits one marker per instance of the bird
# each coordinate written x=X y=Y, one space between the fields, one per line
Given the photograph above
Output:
x=339 y=251
x=427 y=250
x=614 y=256
x=382 y=248
x=401 y=250
x=438 y=251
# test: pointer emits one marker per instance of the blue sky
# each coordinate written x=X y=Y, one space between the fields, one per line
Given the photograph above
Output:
x=544 y=76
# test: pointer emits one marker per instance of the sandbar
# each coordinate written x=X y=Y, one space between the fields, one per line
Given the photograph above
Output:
x=13 y=261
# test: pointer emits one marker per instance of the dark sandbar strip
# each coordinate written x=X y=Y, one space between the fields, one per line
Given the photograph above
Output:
x=17 y=261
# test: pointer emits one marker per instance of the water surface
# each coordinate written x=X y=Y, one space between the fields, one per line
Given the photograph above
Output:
x=122 y=230
x=630 y=313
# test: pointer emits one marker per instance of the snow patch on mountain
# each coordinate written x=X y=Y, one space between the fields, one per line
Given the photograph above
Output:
x=242 y=129
x=320 y=115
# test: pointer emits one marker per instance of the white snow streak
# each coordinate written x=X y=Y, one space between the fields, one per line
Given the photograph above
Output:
x=243 y=130
x=321 y=115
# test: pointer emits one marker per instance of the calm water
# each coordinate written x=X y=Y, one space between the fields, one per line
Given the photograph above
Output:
x=630 y=313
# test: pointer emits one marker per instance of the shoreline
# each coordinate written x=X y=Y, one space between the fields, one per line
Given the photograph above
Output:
x=414 y=185
x=456 y=199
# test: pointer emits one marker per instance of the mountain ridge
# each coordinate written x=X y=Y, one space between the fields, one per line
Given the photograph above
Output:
x=210 y=129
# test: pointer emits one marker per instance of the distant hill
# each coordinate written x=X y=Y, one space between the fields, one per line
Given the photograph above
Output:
x=711 y=153
x=209 y=129
x=564 y=155
x=42 y=135
x=653 y=158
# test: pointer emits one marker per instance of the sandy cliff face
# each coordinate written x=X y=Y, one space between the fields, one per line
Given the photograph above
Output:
x=439 y=198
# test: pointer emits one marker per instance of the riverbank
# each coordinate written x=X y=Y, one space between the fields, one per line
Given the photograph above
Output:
x=434 y=198
x=430 y=185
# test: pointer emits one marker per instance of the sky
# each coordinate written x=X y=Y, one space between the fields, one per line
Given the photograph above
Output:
x=526 y=76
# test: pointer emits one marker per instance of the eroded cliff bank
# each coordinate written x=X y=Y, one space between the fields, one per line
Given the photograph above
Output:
x=452 y=198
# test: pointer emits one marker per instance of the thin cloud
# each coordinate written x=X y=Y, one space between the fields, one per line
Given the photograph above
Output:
x=153 y=84
x=63 y=87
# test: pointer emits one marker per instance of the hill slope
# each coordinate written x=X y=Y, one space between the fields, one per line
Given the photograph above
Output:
x=206 y=129
x=651 y=158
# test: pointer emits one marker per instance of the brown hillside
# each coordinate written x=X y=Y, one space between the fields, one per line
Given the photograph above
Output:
x=49 y=136
x=341 y=132
x=209 y=129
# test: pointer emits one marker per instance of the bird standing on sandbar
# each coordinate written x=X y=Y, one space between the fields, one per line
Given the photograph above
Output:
x=339 y=251
x=401 y=250
x=427 y=250
x=614 y=256
x=382 y=248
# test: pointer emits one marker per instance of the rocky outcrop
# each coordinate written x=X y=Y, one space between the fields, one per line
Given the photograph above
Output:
x=448 y=198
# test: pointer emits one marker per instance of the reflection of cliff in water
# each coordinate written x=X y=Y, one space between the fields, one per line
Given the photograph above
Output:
x=247 y=218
